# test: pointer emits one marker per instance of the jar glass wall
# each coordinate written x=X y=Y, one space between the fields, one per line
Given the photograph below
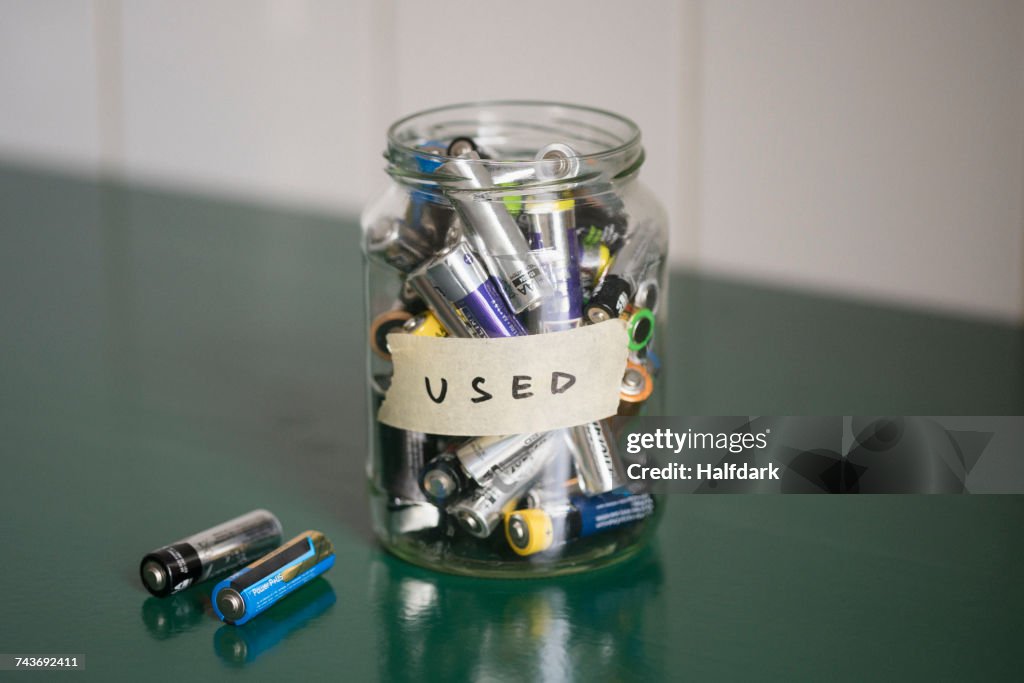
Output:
x=502 y=220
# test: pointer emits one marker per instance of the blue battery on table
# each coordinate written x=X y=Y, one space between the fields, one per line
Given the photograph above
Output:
x=241 y=645
x=252 y=590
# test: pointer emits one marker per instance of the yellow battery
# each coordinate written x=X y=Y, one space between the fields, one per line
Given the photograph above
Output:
x=385 y=323
x=606 y=258
x=550 y=206
x=529 y=531
x=594 y=259
x=425 y=325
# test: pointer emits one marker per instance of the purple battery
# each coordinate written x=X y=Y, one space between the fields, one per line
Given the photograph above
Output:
x=457 y=275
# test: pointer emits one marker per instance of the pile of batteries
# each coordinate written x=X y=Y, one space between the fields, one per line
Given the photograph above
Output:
x=249 y=541
x=481 y=249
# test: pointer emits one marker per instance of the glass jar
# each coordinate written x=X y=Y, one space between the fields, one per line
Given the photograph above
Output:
x=502 y=220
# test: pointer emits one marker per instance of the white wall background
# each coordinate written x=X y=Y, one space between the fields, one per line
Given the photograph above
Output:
x=867 y=147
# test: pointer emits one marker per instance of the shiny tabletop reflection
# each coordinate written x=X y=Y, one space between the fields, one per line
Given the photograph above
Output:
x=241 y=645
x=175 y=614
x=587 y=627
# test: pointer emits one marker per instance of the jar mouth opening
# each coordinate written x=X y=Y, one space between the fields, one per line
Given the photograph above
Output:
x=509 y=135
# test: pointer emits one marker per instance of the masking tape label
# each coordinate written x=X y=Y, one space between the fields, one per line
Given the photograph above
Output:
x=479 y=387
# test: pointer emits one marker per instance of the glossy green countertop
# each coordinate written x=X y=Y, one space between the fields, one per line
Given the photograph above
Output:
x=169 y=361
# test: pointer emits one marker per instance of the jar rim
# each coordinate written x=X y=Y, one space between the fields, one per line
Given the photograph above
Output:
x=627 y=138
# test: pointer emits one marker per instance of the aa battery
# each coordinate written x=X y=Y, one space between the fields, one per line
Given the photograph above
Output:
x=384 y=324
x=619 y=284
x=594 y=258
x=556 y=248
x=429 y=216
x=476 y=460
x=246 y=593
x=446 y=314
x=594 y=454
x=424 y=227
x=637 y=387
x=391 y=241
x=503 y=174
x=209 y=553
x=640 y=328
x=647 y=292
x=551 y=229
x=462 y=145
x=480 y=457
x=557 y=161
x=481 y=510
x=443 y=478
x=457 y=275
x=556 y=483
x=425 y=325
x=495 y=233
x=535 y=530
x=409 y=299
x=243 y=645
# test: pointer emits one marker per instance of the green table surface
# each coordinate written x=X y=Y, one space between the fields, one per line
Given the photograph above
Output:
x=169 y=361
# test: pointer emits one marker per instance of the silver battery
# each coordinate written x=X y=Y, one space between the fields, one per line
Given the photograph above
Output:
x=557 y=161
x=480 y=512
x=558 y=480
x=551 y=230
x=593 y=258
x=392 y=241
x=495 y=234
x=458 y=276
x=480 y=456
x=647 y=295
x=424 y=227
x=551 y=218
x=208 y=553
x=633 y=382
x=636 y=256
x=441 y=307
x=647 y=288
x=455 y=272
x=553 y=238
x=547 y=165
x=594 y=454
